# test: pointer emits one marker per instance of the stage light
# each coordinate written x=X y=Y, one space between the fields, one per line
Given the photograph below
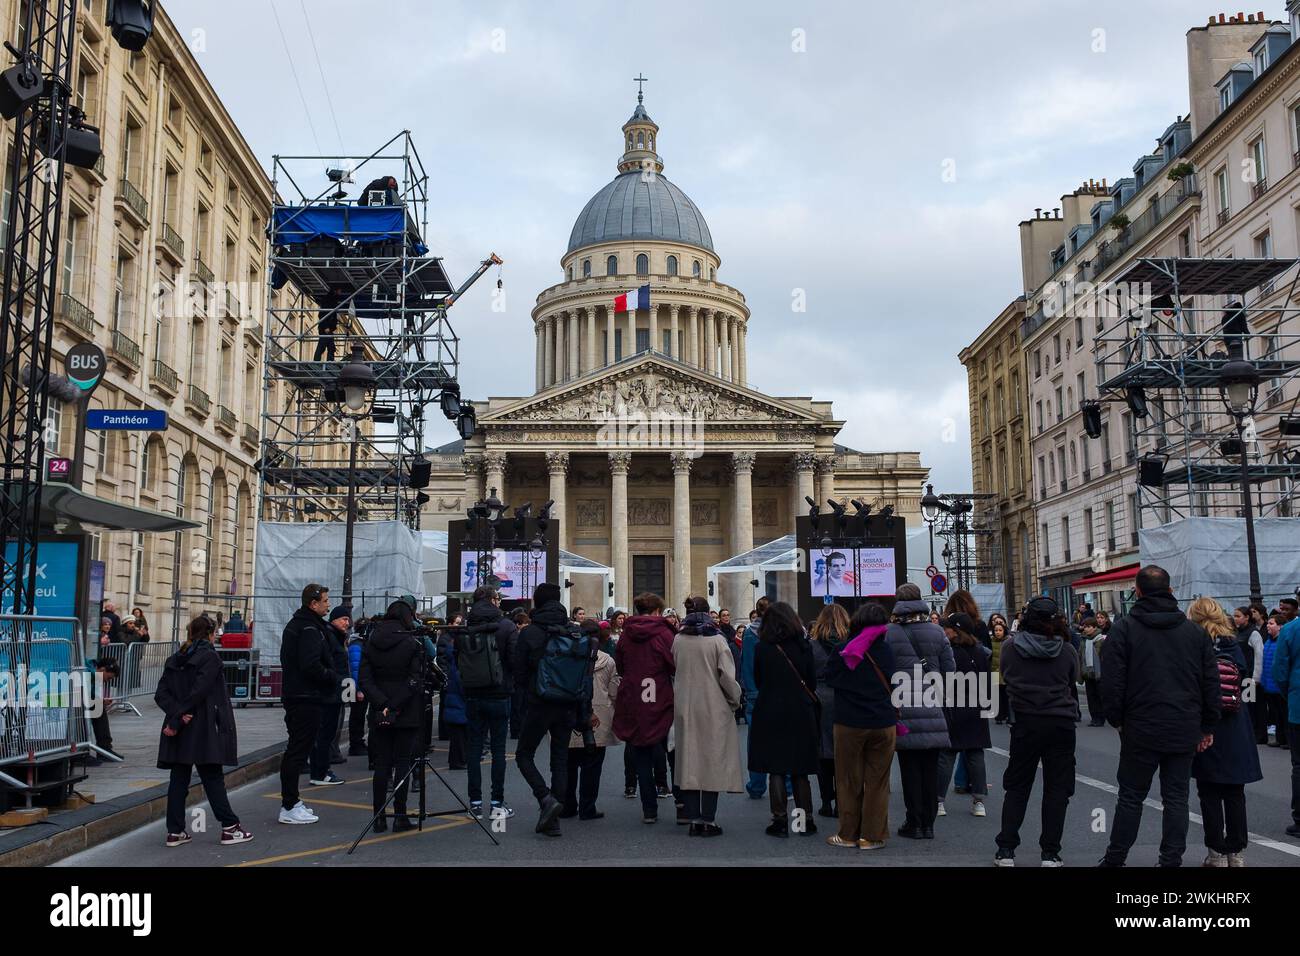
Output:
x=1092 y=418
x=1136 y=397
x=814 y=511
x=20 y=85
x=1231 y=448
x=863 y=510
x=421 y=472
x=131 y=23
x=450 y=400
x=1151 y=472
x=339 y=175
x=467 y=423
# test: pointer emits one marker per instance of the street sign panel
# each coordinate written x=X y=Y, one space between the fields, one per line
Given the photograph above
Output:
x=85 y=366
x=938 y=584
x=58 y=469
x=131 y=419
x=931 y=571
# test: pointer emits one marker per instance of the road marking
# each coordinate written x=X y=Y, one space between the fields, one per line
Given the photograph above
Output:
x=1155 y=804
x=330 y=803
x=343 y=846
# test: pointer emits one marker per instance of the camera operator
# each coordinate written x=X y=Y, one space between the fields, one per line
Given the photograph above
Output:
x=483 y=659
x=392 y=678
x=554 y=660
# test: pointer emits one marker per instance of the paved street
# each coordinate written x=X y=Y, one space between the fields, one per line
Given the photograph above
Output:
x=622 y=839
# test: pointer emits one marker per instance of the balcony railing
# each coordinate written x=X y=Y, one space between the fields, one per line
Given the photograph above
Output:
x=226 y=419
x=1130 y=455
x=1087 y=474
x=99 y=166
x=1140 y=227
x=249 y=436
x=201 y=270
x=1223 y=217
x=133 y=199
x=198 y=400
x=1105 y=467
x=253 y=331
x=1067 y=555
x=1259 y=189
x=1110 y=544
x=164 y=376
x=1295 y=159
x=1065 y=486
x=173 y=241
x=232 y=306
x=1134 y=537
x=77 y=314
x=125 y=348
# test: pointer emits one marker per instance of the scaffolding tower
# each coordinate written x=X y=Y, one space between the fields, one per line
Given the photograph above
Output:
x=1164 y=348
x=351 y=276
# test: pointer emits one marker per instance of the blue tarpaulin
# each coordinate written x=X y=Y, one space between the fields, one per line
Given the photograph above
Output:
x=361 y=224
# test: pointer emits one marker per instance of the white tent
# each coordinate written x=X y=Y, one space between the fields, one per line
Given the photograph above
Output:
x=1207 y=557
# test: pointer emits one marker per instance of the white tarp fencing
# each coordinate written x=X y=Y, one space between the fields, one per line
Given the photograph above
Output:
x=1206 y=557
x=291 y=554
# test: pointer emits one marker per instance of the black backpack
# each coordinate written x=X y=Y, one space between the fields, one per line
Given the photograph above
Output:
x=564 y=672
x=479 y=659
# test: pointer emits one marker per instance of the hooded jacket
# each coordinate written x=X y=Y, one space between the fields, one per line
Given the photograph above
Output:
x=392 y=674
x=192 y=684
x=531 y=647
x=927 y=726
x=1040 y=672
x=644 y=658
x=1233 y=758
x=1160 y=684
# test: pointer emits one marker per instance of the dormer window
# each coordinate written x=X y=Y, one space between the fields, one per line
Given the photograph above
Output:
x=1225 y=97
x=611 y=266
x=1261 y=60
x=672 y=265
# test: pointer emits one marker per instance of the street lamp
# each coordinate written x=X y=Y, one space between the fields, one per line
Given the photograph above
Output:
x=930 y=508
x=357 y=380
x=1239 y=389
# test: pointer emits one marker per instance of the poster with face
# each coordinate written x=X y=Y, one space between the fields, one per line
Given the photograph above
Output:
x=846 y=572
x=518 y=572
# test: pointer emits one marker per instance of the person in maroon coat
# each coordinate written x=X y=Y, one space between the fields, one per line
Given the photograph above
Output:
x=643 y=712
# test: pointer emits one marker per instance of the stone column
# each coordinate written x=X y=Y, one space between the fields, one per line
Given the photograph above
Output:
x=744 y=334
x=710 y=342
x=681 y=528
x=629 y=337
x=557 y=465
x=804 y=463
x=609 y=335
x=549 y=345
x=494 y=464
x=742 y=463
x=693 y=339
x=562 y=371
x=619 y=463
x=540 y=364
x=724 y=346
x=825 y=478
x=673 y=347
x=654 y=328
x=472 y=465
x=593 y=362
x=734 y=321
x=574 y=371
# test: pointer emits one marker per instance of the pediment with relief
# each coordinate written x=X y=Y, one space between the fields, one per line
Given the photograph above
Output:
x=649 y=388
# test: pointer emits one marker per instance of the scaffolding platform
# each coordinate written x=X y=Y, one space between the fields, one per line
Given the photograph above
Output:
x=390 y=375
x=425 y=278
x=1190 y=371
x=1203 y=276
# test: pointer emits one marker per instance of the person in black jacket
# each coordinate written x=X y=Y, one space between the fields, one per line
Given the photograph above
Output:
x=544 y=717
x=392 y=678
x=308 y=680
x=331 y=711
x=198 y=731
x=968 y=727
x=1160 y=687
x=785 y=734
x=1039 y=668
x=488 y=707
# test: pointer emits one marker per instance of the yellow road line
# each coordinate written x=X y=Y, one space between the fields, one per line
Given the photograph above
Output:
x=343 y=846
x=329 y=803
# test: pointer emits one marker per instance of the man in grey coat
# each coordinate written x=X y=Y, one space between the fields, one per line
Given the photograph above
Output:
x=920 y=648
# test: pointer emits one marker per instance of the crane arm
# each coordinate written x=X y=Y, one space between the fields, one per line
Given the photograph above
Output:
x=492 y=260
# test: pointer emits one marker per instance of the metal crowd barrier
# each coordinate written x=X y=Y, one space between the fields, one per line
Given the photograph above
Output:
x=45 y=690
x=140 y=667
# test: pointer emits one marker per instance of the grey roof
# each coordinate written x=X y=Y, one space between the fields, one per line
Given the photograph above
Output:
x=633 y=207
x=451 y=448
x=639 y=114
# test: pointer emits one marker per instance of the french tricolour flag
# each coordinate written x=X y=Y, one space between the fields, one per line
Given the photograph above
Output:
x=631 y=301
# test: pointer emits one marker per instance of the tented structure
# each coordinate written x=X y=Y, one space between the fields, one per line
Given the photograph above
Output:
x=1206 y=557
x=590 y=579
x=774 y=565
x=292 y=554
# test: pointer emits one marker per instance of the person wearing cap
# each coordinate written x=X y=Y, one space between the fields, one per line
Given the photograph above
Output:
x=336 y=646
x=1161 y=689
x=968 y=727
x=1090 y=643
x=1039 y=668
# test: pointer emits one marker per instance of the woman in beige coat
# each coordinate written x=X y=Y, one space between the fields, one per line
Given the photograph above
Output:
x=585 y=766
x=706 y=695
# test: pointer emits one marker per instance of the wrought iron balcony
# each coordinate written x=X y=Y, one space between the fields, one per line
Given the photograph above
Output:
x=77 y=314
x=133 y=200
x=164 y=376
x=226 y=420
x=198 y=400
x=173 y=243
x=201 y=270
x=125 y=349
x=249 y=436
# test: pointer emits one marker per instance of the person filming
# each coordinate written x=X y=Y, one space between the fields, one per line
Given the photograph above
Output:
x=392 y=678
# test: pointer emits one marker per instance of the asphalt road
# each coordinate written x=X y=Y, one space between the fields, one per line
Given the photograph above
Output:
x=620 y=838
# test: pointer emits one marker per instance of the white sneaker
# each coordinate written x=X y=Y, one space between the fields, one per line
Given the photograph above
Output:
x=1215 y=860
x=1236 y=860
x=1052 y=861
x=942 y=812
x=299 y=814
x=977 y=809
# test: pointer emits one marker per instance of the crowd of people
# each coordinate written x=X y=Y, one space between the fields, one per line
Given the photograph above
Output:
x=837 y=700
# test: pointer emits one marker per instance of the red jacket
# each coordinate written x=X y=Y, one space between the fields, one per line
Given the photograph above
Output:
x=643 y=712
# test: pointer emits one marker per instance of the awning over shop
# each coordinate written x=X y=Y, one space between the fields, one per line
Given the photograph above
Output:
x=63 y=506
x=1107 y=580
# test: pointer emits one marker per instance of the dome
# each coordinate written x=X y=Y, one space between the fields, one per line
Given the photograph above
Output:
x=637 y=207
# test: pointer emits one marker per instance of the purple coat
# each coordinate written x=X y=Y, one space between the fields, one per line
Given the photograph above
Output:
x=644 y=654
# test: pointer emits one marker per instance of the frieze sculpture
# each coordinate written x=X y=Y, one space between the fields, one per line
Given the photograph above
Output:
x=765 y=512
x=590 y=513
x=705 y=513
x=649 y=511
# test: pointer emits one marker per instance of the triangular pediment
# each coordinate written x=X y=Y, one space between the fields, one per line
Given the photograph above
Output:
x=650 y=385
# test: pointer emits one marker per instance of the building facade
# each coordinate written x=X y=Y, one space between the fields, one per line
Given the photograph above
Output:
x=162 y=266
x=995 y=369
x=660 y=456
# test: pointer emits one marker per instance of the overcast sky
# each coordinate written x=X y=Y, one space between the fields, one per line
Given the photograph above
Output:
x=814 y=137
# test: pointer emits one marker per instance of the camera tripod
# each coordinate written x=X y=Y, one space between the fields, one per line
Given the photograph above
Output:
x=423 y=763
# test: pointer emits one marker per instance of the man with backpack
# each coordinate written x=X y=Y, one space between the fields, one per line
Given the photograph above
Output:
x=483 y=657
x=1160 y=687
x=553 y=659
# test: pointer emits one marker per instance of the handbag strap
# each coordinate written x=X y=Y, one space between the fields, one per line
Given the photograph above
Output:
x=889 y=690
x=915 y=647
x=812 y=696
